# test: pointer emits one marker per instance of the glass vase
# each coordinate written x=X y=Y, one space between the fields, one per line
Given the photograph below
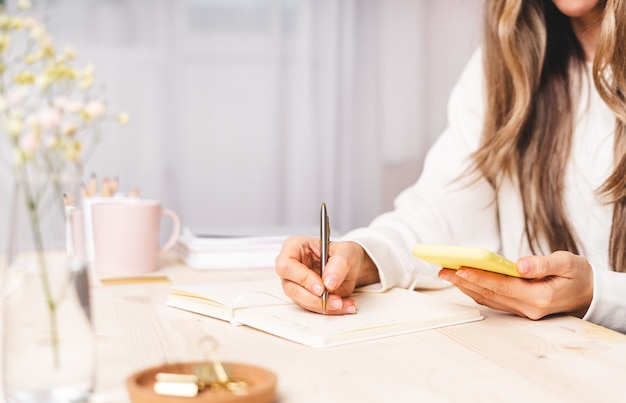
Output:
x=48 y=352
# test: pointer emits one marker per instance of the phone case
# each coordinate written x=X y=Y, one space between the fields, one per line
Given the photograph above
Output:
x=454 y=257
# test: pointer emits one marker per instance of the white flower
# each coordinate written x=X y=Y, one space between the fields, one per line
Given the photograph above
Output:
x=43 y=81
x=89 y=70
x=14 y=126
x=95 y=109
x=60 y=102
x=69 y=52
x=49 y=118
x=24 y=4
x=32 y=123
x=73 y=106
x=68 y=129
x=87 y=75
x=29 y=142
x=16 y=95
x=50 y=141
x=37 y=31
x=29 y=23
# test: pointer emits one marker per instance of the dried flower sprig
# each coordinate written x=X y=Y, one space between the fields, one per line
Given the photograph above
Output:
x=48 y=106
x=51 y=114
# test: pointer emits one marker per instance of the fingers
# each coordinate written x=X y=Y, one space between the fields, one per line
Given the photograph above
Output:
x=485 y=284
x=482 y=299
x=336 y=276
x=492 y=299
x=336 y=305
x=298 y=266
x=559 y=283
x=559 y=263
x=298 y=262
x=498 y=291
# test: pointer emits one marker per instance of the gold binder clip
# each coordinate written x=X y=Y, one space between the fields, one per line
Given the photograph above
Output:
x=211 y=374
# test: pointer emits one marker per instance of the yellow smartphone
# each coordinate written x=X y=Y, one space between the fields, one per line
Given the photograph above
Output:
x=454 y=257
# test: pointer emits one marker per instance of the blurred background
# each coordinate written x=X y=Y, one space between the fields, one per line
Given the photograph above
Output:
x=250 y=113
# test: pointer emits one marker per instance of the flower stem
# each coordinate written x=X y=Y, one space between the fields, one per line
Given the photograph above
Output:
x=43 y=271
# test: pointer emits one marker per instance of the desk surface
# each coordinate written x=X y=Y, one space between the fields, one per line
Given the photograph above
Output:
x=501 y=358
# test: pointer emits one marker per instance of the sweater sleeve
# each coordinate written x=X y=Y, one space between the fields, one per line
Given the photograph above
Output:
x=445 y=205
x=608 y=306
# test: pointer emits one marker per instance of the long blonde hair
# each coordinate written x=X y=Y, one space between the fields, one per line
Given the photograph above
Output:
x=532 y=60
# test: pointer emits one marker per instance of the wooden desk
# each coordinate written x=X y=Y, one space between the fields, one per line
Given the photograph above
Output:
x=502 y=358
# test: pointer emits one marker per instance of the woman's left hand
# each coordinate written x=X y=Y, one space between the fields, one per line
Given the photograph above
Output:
x=559 y=283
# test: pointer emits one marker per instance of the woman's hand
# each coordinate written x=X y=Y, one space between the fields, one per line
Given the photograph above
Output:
x=298 y=265
x=559 y=283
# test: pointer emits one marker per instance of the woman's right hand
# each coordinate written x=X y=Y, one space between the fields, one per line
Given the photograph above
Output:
x=348 y=266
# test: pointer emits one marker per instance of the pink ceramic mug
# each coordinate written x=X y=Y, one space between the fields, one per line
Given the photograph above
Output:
x=126 y=236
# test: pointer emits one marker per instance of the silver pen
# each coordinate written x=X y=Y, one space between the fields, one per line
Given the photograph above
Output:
x=325 y=242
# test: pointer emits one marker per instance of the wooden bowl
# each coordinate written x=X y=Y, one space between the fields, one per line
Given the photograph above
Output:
x=261 y=384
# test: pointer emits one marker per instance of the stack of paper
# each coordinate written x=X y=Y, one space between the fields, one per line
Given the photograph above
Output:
x=228 y=251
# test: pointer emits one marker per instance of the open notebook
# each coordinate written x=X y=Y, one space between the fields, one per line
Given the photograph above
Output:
x=264 y=306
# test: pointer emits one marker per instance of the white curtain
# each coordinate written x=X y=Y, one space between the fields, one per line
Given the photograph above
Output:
x=250 y=113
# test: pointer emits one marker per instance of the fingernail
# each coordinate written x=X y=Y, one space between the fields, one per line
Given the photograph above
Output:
x=331 y=281
x=318 y=289
x=351 y=309
x=461 y=273
x=524 y=266
x=336 y=304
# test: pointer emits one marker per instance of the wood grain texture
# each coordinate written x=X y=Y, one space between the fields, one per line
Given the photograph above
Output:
x=502 y=358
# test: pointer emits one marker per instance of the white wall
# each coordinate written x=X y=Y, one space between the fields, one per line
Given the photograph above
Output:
x=425 y=46
x=250 y=113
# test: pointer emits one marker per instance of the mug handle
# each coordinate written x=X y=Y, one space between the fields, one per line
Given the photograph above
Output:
x=175 y=229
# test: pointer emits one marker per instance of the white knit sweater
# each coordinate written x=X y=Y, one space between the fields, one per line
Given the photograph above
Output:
x=439 y=208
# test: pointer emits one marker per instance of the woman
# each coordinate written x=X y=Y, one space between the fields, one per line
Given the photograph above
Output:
x=538 y=119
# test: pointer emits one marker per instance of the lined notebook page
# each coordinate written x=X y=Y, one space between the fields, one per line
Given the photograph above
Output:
x=263 y=305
